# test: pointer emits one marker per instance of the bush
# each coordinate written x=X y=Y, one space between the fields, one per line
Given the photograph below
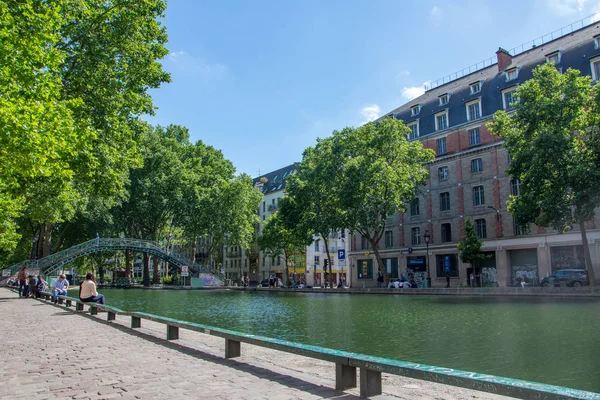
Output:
x=174 y=280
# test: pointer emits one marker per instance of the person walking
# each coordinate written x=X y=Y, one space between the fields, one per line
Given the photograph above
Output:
x=22 y=278
x=447 y=280
x=87 y=290
x=60 y=287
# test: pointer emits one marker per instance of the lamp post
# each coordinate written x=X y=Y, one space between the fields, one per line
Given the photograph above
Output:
x=427 y=237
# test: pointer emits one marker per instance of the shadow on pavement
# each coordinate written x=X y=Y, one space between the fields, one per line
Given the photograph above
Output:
x=259 y=372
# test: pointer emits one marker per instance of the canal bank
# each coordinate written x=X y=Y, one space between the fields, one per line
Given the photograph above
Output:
x=91 y=359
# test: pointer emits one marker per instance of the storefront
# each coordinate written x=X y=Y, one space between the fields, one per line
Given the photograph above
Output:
x=524 y=267
x=415 y=268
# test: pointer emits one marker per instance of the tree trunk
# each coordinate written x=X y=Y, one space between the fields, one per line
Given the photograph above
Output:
x=380 y=265
x=326 y=244
x=146 y=278
x=156 y=272
x=128 y=264
x=586 y=253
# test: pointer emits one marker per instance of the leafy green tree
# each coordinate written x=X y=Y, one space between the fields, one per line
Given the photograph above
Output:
x=277 y=240
x=554 y=143
x=311 y=205
x=75 y=78
x=378 y=173
x=469 y=249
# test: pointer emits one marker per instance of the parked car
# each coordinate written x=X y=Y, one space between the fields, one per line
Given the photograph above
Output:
x=568 y=277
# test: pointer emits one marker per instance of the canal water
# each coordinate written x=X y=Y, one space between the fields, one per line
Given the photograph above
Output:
x=555 y=341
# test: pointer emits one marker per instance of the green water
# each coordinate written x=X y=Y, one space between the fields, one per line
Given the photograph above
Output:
x=554 y=341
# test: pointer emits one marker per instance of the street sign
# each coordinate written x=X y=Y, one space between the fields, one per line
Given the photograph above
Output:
x=341 y=254
x=185 y=270
x=410 y=250
x=342 y=263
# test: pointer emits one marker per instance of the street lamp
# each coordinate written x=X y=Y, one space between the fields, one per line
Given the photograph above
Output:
x=427 y=237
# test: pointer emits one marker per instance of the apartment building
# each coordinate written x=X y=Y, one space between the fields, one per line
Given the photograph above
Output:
x=467 y=179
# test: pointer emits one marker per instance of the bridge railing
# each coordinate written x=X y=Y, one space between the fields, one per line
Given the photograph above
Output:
x=371 y=367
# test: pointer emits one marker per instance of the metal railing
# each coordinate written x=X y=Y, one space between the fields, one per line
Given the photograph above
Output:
x=548 y=37
x=52 y=263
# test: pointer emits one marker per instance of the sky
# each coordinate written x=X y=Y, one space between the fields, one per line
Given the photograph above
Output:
x=262 y=80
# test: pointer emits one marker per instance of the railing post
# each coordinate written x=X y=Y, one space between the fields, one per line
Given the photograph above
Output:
x=345 y=377
x=370 y=382
x=233 y=348
x=136 y=322
x=78 y=306
x=93 y=310
x=172 y=332
x=111 y=316
x=68 y=303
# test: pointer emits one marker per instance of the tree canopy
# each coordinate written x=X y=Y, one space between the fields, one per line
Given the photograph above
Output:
x=554 y=143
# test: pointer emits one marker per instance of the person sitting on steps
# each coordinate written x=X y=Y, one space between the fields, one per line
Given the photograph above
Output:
x=87 y=290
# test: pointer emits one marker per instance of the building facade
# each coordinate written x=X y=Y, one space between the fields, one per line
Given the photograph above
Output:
x=467 y=179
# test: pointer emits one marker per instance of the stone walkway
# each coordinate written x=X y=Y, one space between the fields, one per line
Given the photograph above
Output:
x=49 y=352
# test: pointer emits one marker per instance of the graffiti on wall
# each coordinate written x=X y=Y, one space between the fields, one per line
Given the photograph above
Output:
x=525 y=273
x=489 y=276
x=205 y=279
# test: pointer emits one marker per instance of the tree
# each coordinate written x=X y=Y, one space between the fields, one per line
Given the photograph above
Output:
x=469 y=249
x=554 y=143
x=311 y=205
x=277 y=240
x=378 y=173
x=75 y=79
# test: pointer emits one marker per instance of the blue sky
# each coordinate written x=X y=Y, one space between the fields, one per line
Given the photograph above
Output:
x=262 y=80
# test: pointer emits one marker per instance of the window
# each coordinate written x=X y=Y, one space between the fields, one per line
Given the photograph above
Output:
x=414 y=207
x=278 y=260
x=446 y=233
x=515 y=187
x=264 y=206
x=414 y=110
x=441 y=146
x=512 y=74
x=443 y=173
x=474 y=137
x=317 y=260
x=478 y=196
x=446 y=265
x=390 y=116
x=444 y=99
x=518 y=229
x=365 y=269
x=508 y=98
x=389 y=239
x=480 y=228
x=445 y=201
x=476 y=165
x=441 y=121
x=553 y=58
x=364 y=243
x=414 y=130
x=263 y=261
x=475 y=87
x=391 y=267
x=597 y=42
x=595 y=64
x=317 y=245
x=416 y=236
x=474 y=110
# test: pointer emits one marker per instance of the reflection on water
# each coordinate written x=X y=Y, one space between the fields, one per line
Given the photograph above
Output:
x=545 y=340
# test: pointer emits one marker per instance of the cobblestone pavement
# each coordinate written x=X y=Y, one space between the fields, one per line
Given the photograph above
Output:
x=50 y=352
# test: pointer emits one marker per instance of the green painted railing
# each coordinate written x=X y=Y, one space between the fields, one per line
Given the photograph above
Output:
x=346 y=363
x=54 y=262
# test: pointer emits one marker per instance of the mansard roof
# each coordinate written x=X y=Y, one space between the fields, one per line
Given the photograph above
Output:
x=274 y=181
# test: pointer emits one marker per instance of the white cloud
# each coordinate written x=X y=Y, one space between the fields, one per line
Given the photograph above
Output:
x=570 y=7
x=187 y=63
x=176 y=56
x=435 y=14
x=370 y=113
x=404 y=73
x=412 y=92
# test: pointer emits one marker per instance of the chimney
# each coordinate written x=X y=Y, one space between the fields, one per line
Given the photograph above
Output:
x=504 y=59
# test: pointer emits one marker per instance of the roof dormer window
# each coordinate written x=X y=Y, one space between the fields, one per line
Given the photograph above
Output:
x=414 y=110
x=512 y=74
x=554 y=57
x=444 y=99
x=475 y=87
x=391 y=116
x=597 y=42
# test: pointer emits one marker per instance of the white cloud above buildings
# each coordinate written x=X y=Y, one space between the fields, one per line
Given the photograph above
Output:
x=569 y=8
x=412 y=92
x=370 y=113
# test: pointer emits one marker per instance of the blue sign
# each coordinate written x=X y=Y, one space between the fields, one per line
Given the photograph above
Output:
x=410 y=250
x=446 y=263
x=341 y=254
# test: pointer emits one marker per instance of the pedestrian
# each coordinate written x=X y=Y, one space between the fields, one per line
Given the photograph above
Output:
x=380 y=279
x=97 y=239
x=402 y=278
x=472 y=279
x=60 y=287
x=247 y=281
x=87 y=290
x=33 y=287
x=447 y=280
x=22 y=278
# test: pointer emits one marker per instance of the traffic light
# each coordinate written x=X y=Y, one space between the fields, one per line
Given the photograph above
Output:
x=325 y=263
